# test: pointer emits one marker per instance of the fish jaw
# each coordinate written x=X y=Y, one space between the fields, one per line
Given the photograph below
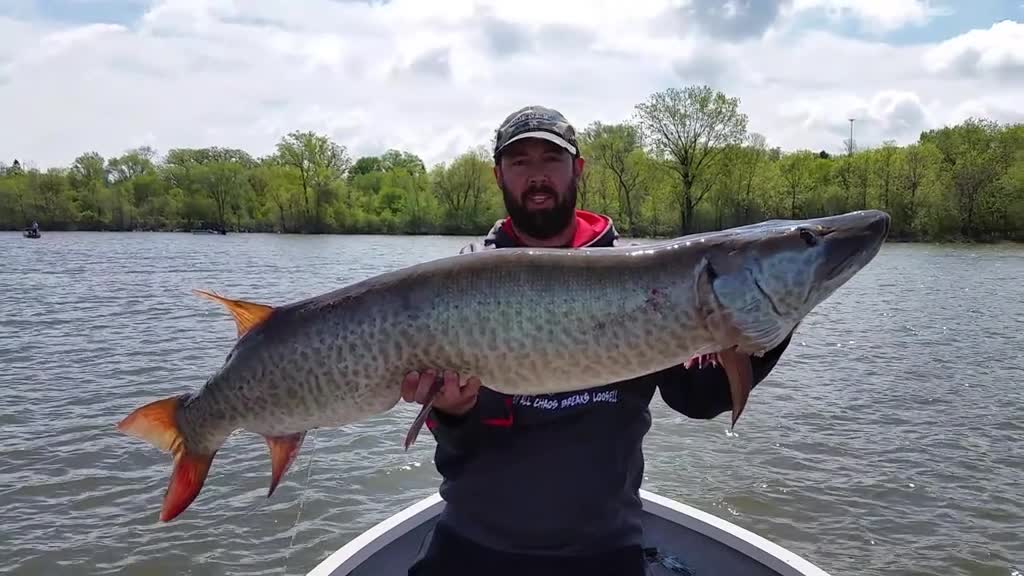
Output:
x=850 y=247
x=848 y=243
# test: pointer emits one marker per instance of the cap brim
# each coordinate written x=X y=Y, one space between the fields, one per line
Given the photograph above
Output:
x=544 y=136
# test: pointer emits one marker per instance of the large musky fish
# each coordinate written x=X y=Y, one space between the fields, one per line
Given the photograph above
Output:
x=521 y=319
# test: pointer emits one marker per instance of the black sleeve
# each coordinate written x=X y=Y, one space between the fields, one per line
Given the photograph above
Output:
x=455 y=435
x=704 y=392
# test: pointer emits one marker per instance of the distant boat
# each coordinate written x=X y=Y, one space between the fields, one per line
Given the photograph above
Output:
x=680 y=539
x=30 y=233
x=209 y=231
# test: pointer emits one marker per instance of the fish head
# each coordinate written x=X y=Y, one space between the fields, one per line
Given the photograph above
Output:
x=757 y=283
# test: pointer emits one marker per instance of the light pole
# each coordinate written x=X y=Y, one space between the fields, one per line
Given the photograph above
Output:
x=849 y=148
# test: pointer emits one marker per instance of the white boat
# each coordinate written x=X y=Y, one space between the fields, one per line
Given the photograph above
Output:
x=697 y=543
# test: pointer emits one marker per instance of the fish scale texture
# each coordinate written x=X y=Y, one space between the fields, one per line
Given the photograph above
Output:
x=527 y=322
x=523 y=325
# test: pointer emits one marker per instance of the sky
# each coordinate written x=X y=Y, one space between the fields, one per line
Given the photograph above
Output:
x=436 y=78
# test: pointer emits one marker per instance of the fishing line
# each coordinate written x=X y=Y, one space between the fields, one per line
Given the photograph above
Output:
x=302 y=501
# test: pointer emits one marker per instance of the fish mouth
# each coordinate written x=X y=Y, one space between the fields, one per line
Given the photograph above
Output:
x=854 y=241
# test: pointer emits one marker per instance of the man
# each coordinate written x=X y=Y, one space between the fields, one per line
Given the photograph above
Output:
x=549 y=484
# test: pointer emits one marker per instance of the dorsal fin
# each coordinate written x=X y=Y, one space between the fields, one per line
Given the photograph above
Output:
x=247 y=314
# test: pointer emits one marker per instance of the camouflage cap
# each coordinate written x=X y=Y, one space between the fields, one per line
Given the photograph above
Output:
x=536 y=122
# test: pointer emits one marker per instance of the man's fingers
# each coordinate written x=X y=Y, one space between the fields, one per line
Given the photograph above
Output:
x=450 y=391
x=451 y=379
x=426 y=383
x=452 y=396
x=409 y=385
x=470 y=389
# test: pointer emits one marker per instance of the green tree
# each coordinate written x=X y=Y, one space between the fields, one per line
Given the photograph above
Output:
x=692 y=127
x=319 y=164
x=683 y=162
x=616 y=149
x=463 y=189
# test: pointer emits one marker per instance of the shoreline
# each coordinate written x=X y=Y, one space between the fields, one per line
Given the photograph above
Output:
x=942 y=241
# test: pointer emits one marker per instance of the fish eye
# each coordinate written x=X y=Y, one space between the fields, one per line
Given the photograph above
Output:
x=808 y=237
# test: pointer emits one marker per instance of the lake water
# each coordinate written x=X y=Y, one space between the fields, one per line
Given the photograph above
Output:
x=888 y=441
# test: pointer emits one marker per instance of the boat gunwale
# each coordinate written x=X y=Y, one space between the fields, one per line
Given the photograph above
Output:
x=732 y=536
x=357 y=550
x=743 y=541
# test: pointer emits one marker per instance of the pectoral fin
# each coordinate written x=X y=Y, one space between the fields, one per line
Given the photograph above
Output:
x=741 y=379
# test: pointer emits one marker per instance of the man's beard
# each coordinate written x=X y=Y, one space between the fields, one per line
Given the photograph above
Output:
x=543 y=223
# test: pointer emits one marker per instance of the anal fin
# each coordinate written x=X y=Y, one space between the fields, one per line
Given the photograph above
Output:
x=283 y=451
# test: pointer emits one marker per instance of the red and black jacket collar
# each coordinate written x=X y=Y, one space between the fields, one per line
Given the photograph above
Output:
x=592 y=230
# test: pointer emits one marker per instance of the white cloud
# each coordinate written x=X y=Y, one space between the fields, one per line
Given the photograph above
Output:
x=997 y=51
x=877 y=15
x=886 y=115
x=999 y=111
x=402 y=74
x=735 y=19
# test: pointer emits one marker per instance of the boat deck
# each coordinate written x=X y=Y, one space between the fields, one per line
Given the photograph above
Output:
x=702 y=544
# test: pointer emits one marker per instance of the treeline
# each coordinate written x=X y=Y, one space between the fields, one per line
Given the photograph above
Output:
x=684 y=162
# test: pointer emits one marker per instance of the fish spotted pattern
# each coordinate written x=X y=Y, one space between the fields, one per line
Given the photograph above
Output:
x=522 y=320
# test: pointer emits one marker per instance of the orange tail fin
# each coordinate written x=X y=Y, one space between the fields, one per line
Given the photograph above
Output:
x=187 y=480
x=156 y=423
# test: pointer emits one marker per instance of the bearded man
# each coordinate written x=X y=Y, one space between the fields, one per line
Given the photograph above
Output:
x=549 y=484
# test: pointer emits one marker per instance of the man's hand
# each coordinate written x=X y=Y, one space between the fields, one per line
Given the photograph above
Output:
x=454 y=398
